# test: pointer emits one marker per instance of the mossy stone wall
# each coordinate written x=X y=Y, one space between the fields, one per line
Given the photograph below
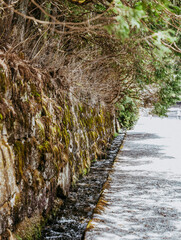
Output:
x=47 y=140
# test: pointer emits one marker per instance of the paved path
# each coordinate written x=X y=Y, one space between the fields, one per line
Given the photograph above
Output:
x=142 y=199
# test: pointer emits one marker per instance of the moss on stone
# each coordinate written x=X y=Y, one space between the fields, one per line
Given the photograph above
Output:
x=85 y=171
x=35 y=92
x=56 y=150
x=59 y=108
x=56 y=155
x=66 y=138
x=53 y=131
x=58 y=130
x=16 y=211
x=2 y=81
x=41 y=128
x=89 y=122
x=75 y=108
x=64 y=156
x=30 y=228
x=38 y=179
x=1 y=117
x=45 y=147
x=68 y=118
x=80 y=107
x=71 y=159
x=20 y=153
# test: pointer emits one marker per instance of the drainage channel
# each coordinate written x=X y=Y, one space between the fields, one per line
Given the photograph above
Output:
x=74 y=215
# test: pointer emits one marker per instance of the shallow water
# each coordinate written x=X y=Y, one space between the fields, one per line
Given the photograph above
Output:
x=77 y=210
x=143 y=197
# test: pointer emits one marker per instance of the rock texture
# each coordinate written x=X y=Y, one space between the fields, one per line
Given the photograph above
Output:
x=47 y=140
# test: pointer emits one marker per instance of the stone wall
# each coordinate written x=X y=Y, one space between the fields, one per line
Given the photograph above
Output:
x=47 y=140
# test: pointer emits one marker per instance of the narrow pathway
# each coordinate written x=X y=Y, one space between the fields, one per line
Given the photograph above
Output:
x=142 y=198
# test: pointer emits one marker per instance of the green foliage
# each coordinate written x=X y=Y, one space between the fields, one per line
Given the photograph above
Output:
x=157 y=80
x=127 y=112
x=100 y=7
x=126 y=19
x=169 y=93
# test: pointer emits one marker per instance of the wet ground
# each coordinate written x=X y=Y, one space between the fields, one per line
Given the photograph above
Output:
x=73 y=217
x=142 y=198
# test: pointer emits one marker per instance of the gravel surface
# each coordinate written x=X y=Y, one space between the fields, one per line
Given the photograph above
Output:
x=143 y=197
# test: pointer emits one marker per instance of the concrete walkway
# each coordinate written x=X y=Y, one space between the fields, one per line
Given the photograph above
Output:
x=142 y=198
